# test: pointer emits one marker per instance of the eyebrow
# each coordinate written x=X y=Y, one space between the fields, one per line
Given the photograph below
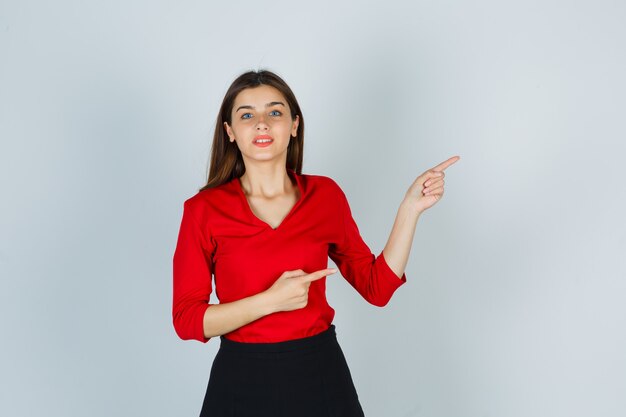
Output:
x=270 y=104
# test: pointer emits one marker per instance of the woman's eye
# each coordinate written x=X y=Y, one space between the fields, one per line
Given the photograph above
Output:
x=246 y=115
x=275 y=113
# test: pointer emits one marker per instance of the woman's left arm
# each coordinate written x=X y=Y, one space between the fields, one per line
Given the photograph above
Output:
x=425 y=191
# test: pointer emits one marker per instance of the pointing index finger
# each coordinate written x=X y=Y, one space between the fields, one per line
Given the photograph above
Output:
x=445 y=164
x=314 y=276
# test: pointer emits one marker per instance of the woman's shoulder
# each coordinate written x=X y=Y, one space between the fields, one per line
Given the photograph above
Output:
x=210 y=197
x=324 y=186
x=320 y=181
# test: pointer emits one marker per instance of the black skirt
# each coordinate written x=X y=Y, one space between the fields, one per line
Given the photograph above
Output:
x=296 y=378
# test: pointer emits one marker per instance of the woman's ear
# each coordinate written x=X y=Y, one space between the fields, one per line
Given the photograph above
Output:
x=294 y=126
x=229 y=132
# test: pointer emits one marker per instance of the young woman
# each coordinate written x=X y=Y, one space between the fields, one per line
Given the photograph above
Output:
x=265 y=231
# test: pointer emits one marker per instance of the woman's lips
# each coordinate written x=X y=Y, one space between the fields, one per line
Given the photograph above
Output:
x=263 y=141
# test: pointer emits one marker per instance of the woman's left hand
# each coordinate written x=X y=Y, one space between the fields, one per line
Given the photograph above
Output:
x=427 y=189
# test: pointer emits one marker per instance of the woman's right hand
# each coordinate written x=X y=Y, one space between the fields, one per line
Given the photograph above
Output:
x=291 y=289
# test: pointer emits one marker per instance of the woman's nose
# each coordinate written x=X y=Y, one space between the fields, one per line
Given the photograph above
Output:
x=261 y=123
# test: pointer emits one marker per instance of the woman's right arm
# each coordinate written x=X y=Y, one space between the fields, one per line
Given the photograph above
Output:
x=289 y=292
x=193 y=316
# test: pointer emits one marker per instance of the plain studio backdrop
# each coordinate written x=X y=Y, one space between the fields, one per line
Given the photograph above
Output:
x=514 y=304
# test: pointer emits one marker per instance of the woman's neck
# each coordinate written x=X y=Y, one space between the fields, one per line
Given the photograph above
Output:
x=267 y=182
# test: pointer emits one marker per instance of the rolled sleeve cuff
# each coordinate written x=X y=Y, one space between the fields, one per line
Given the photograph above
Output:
x=387 y=281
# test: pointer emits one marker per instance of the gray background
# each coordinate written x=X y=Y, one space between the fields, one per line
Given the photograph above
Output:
x=514 y=304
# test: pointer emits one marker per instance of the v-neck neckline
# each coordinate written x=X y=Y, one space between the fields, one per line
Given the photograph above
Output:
x=292 y=174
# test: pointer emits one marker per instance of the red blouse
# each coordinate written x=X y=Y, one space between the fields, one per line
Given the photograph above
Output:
x=220 y=236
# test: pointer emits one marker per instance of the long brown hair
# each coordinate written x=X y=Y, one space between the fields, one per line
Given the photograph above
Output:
x=226 y=160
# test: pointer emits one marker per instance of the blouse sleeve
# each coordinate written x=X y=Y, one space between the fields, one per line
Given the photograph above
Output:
x=192 y=274
x=370 y=275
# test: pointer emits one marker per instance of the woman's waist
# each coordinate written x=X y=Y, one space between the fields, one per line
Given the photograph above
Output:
x=282 y=326
x=314 y=339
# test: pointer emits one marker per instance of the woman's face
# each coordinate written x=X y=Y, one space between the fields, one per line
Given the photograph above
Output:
x=261 y=124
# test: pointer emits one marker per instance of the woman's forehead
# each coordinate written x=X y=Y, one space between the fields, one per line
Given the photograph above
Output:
x=262 y=94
